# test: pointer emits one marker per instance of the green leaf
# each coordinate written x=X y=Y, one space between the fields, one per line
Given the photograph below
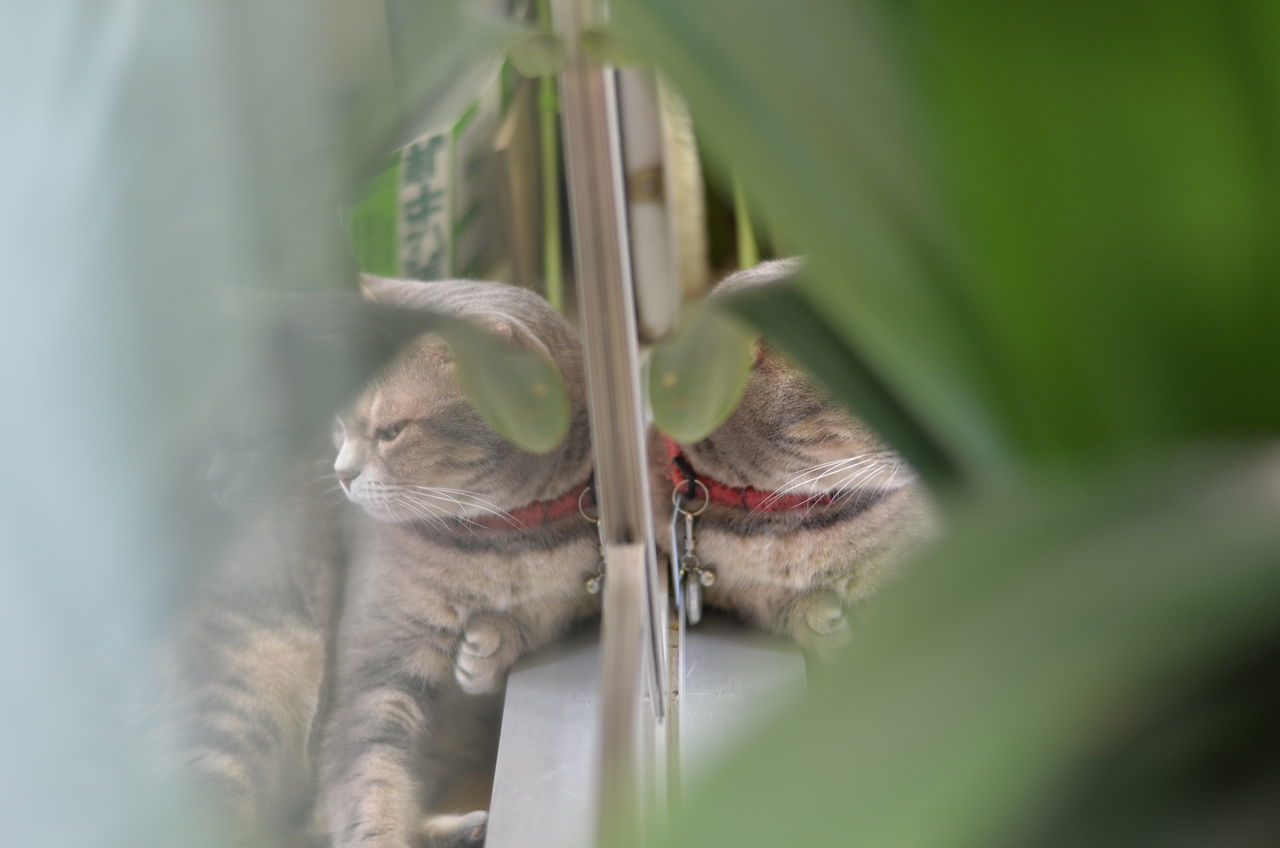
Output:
x=606 y=46
x=518 y=393
x=697 y=376
x=537 y=54
x=1036 y=643
x=326 y=347
x=1073 y=262
x=826 y=140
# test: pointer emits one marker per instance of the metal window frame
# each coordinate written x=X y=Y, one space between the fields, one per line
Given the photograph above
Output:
x=633 y=674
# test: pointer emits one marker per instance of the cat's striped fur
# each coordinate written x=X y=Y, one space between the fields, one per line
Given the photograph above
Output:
x=248 y=677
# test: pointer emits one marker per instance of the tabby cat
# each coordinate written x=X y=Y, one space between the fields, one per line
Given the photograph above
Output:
x=374 y=616
x=245 y=679
x=465 y=553
x=809 y=511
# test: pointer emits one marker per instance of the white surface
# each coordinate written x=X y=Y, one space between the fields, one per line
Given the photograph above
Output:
x=545 y=788
x=545 y=785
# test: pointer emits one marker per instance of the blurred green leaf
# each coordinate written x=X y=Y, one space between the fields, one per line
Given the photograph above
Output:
x=435 y=49
x=1044 y=633
x=1111 y=167
x=326 y=348
x=698 y=374
x=825 y=137
x=606 y=46
x=1040 y=239
x=518 y=393
x=1077 y=262
x=537 y=54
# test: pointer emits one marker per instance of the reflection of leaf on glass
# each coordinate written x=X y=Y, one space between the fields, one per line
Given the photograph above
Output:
x=697 y=375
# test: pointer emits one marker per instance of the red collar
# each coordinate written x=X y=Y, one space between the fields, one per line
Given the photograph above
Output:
x=681 y=474
x=533 y=515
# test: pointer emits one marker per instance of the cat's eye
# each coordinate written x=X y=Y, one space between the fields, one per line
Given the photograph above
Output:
x=389 y=432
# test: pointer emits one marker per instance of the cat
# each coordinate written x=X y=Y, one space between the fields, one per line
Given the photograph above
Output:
x=465 y=552
x=242 y=681
x=809 y=513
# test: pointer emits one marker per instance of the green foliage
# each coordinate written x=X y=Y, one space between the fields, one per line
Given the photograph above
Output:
x=803 y=102
x=518 y=393
x=1041 y=237
x=1038 y=643
x=696 y=377
x=1042 y=262
x=1046 y=230
x=537 y=54
x=326 y=346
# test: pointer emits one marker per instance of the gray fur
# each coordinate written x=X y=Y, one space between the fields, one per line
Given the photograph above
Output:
x=436 y=610
x=247 y=673
x=360 y=642
x=796 y=572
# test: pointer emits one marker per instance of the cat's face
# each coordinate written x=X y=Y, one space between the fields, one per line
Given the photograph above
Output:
x=787 y=434
x=413 y=449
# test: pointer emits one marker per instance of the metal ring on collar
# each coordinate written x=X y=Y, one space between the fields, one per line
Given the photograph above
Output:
x=582 y=510
x=677 y=498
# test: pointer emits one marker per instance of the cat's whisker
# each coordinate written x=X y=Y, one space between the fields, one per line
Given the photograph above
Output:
x=836 y=468
x=809 y=470
x=448 y=498
x=845 y=468
x=897 y=466
x=850 y=476
x=862 y=479
x=431 y=516
x=833 y=467
x=849 y=479
x=472 y=496
x=801 y=477
x=467 y=500
x=421 y=502
x=851 y=485
x=461 y=518
x=865 y=484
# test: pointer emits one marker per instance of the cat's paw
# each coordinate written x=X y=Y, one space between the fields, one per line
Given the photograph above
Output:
x=485 y=653
x=819 y=624
x=454 y=831
x=481 y=639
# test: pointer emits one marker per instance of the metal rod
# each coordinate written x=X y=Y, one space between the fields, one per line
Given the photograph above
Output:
x=632 y=646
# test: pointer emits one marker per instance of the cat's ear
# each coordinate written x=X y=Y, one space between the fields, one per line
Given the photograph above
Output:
x=390 y=292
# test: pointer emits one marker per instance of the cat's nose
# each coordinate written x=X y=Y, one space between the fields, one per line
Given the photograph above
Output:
x=345 y=478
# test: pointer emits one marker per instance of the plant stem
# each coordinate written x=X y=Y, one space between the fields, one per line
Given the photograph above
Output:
x=748 y=250
x=548 y=115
